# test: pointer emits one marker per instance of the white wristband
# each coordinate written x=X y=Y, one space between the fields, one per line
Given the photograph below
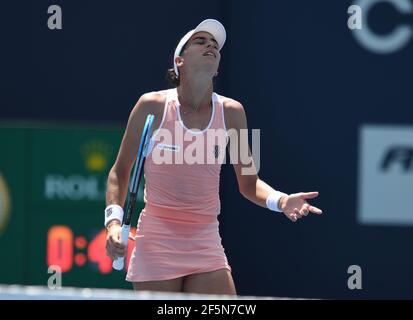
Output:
x=274 y=199
x=113 y=212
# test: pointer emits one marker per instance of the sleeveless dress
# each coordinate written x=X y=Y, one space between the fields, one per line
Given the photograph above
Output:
x=177 y=232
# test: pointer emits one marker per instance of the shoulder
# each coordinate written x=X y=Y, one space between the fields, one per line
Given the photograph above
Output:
x=234 y=112
x=230 y=104
x=151 y=102
x=154 y=96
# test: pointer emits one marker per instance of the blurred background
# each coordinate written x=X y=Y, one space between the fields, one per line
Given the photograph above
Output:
x=333 y=105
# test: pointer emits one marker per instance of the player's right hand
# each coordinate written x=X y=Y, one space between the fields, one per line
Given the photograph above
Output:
x=114 y=246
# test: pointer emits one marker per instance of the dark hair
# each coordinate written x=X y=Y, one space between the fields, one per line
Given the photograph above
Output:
x=171 y=77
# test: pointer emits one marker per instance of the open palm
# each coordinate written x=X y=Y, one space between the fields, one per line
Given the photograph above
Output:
x=295 y=206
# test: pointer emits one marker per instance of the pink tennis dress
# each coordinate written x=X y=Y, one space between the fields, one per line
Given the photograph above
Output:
x=177 y=231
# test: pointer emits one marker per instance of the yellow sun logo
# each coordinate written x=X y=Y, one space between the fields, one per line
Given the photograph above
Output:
x=96 y=155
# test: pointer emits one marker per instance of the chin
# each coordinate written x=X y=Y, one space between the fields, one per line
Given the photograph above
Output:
x=212 y=70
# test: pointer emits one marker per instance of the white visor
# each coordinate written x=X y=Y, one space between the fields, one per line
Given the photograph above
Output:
x=211 y=26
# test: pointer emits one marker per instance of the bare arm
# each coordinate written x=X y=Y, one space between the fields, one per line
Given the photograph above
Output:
x=117 y=184
x=294 y=206
x=249 y=183
x=118 y=179
x=119 y=174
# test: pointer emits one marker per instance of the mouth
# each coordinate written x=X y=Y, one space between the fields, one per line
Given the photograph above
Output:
x=210 y=53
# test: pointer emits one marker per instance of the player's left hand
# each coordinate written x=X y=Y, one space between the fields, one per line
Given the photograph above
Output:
x=295 y=206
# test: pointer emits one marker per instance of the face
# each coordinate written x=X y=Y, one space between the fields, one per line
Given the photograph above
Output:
x=200 y=53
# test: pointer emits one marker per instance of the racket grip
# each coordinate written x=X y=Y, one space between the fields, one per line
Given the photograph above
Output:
x=118 y=263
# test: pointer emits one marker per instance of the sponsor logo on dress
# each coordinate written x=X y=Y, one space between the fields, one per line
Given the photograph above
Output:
x=168 y=147
x=216 y=151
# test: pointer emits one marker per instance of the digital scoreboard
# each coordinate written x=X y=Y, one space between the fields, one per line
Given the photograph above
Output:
x=52 y=201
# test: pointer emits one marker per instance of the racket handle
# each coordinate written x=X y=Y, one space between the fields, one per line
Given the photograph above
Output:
x=118 y=263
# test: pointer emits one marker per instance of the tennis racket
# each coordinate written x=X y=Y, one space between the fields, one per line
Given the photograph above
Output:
x=118 y=263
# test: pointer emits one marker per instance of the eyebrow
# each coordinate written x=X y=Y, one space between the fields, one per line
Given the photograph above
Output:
x=204 y=38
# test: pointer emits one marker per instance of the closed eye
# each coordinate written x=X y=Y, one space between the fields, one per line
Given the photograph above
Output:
x=202 y=40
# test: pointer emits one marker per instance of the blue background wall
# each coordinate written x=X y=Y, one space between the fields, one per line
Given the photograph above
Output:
x=304 y=82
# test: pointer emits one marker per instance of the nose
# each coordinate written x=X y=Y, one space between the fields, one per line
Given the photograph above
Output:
x=211 y=43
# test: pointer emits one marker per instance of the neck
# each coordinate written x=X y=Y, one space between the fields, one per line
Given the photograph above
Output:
x=195 y=92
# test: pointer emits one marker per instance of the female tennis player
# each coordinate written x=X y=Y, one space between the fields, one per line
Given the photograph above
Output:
x=177 y=244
